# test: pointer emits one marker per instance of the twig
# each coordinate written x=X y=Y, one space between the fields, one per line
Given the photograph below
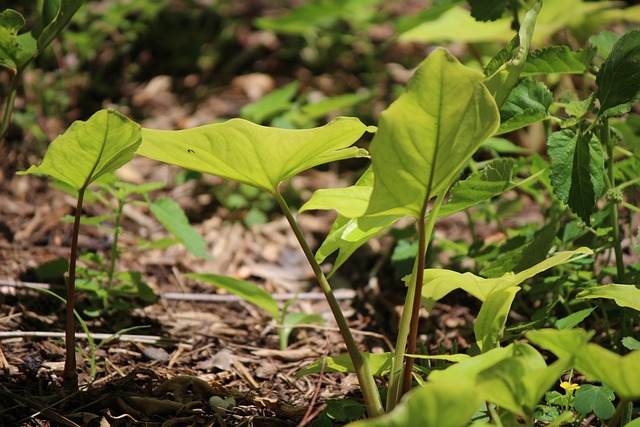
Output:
x=144 y=339
x=311 y=414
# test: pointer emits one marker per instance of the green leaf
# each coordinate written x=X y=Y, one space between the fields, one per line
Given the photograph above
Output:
x=88 y=150
x=573 y=319
x=576 y=171
x=487 y=10
x=292 y=320
x=527 y=103
x=450 y=404
x=617 y=80
x=621 y=373
x=438 y=282
x=428 y=134
x=579 y=109
x=349 y=202
x=604 y=42
x=317 y=110
x=14 y=53
x=623 y=295
x=456 y=358
x=380 y=363
x=489 y=325
x=252 y=154
x=631 y=343
x=64 y=14
x=558 y=59
x=590 y=398
x=565 y=343
x=246 y=290
x=504 y=69
x=270 y=105
x=171 y=215
x=494 y=179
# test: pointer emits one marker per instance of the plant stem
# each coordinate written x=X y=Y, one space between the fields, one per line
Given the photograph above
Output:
x=424 y=236
x=620 y=409
x=69 y=375
x=361 y=364
x=605 y=137
x=8 y=107
x=115 y=254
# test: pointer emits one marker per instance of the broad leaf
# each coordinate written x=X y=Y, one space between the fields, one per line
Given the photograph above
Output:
x=246 y=290
x=487 y=10
x=604 y=42
x=565 y=343
x=380 y=363
x=252 y=154
x=617 y=80
x=623 y=295
x=489 y=325
x=621 y=373
x=171 y=215
x=494 y=179
x=558 y=59
x=88 y=150
x=590 y=398
x=14 y=52
x=527 y=103
x=576 y=171
x=450 y=404
x=428 y=134
x=438 y=283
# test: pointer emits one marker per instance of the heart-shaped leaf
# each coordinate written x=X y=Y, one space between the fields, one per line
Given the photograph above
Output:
x=252 y=154
x=88 y=150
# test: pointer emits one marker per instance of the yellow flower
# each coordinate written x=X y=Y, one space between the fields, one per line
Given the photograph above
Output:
x=569 y=386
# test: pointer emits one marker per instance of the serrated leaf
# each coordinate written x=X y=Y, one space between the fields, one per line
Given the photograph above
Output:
x=380 y=363
x=171 y=215
x=574 y=319
x=428 y=134
x=88 y=150
x=252 y=154
x=487 y=10
x=576 y=170
x=494 y=179
x=579 y=109
x=623 y=295
x=617 y=80
x=527 y=103
x=594 y=399
x=558 y=59
x=246 y=290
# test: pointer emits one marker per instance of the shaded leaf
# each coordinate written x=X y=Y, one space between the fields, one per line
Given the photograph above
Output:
x=590 y=398
x=64 y=14
x=380 y=363
x=617 y=80
x=171 y=215
x=527 y=103
x=573 y=319
x=623 y=295
x=246 y=290
x=428 y=134
x=487 y=10
x=271 y=104
x=604 y=42
x=631 y=343
x=88 y=150
x=576 y=170
x=252 y=154
x=489 y=325
x=14 y=52
x=558 y=59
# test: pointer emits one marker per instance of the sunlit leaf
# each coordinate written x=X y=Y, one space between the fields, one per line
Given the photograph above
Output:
x=491 y=320
x=576 y=171
x=565 y=343
x=621 y=373
x=88 y=150
x=380 y=363
x=246 y=290
x=171 y=215
x=527 y=103
x=558 y=59
x=252 y=154
x=428 y=134
x=623 y=295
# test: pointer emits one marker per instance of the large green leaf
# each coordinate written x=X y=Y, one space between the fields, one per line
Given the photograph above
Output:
x=623 y=295
x=558 y=59
x=617 y=80
x=256 y=155
x=576 y=171
x=619 y=372
x=442 y=404
x=565 y=343
x=527 y=103
x=438 y=282
x=88 y=150
x=171 y=215
x=428 y=134
x=246 y=290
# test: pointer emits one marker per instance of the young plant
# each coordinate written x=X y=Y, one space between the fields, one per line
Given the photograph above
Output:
x=18 y=50
x=254 y=294
x=84 y=153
